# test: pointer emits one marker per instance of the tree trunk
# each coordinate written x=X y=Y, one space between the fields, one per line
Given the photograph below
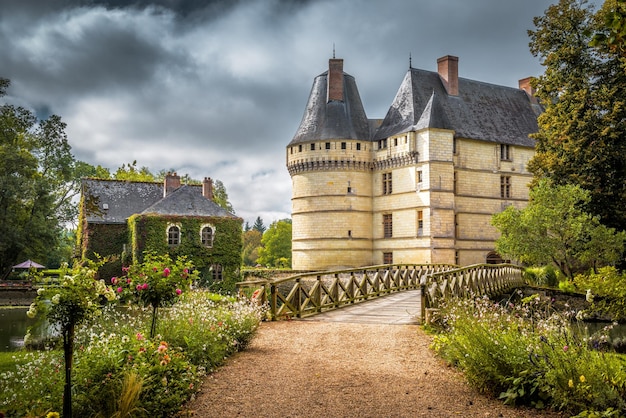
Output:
x=68 y=352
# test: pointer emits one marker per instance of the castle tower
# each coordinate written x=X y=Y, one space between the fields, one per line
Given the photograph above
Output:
x=329 y=163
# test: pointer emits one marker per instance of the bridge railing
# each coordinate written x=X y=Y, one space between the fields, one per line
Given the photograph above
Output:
x=310 y=293
x=478 y=279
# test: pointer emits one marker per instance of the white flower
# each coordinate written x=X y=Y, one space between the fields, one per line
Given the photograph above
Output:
x=40 y=291
x=56 y=298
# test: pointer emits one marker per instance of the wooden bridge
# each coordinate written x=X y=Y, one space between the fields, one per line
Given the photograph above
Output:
x=307 y=294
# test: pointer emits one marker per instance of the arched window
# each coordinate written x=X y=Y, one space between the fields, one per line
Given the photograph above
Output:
x=494 y=258
x=206 y=236
x=173 y=235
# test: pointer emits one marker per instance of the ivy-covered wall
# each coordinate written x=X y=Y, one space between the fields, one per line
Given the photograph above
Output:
x=106 y=240
x=149 y=233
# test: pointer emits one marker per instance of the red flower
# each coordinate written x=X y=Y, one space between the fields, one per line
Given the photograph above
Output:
x=166 y=272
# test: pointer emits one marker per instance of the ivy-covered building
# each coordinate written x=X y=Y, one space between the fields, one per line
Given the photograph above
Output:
x=127 y=218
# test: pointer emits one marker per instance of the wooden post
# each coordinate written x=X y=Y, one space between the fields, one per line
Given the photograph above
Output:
x=273 y=307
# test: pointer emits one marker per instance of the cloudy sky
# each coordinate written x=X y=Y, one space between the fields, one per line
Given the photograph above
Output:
x=218 y=87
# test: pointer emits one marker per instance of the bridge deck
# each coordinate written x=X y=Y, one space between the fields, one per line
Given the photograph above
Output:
x=399 y=308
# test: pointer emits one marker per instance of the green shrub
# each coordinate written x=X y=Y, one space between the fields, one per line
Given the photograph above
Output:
x=610 y=286
x=529 y=355
x=542 y=276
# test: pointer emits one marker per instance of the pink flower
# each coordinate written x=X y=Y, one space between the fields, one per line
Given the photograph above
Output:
x=114 y=280
x=565 y=348
x=125 y=269
x=154 y=269
x=138 y=287
x=166 y=272
x=144 y=286
x=120 y=290
x=178 y=291
x=186 y=271
x=139 y=336
x=128 y=281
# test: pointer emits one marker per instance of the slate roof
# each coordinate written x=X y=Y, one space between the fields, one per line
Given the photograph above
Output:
x=333 y=119
x=187 y=201
x=481 y=111
x=126 y=198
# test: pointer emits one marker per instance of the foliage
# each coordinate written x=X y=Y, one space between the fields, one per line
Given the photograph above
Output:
x=251 y=246
x=131 y=172
x=542 y=276
x=610 y=286
x=158 y=281
x=258 y=225
x=582 y=131
x=276 y=241
x=555 y=228
x=36 y=184
x=613 y=32
x=528 y=354
x=195 y=335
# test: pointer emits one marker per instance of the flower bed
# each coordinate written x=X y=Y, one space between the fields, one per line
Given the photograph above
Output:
x=119 y=370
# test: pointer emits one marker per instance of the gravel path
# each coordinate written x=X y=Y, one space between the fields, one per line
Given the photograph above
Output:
x=329 y=369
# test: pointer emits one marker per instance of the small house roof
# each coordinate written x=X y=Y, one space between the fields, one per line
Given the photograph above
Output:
x=187 y=201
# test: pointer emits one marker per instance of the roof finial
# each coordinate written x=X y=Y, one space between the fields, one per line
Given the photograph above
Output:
x=333 y=50
x=410 y=61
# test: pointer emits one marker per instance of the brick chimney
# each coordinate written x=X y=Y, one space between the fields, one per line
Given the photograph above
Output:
x=335 y=79
x=172 y=182
x=207 y=188
x=524 y=84
x=448 y=69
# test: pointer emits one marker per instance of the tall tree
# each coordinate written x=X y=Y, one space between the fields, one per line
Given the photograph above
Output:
x=258 y=225
x=556 y=229
x=582 y=132
x=37 y=184
x=276 y=241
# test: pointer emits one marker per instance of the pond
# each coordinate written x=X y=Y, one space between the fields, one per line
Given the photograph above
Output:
x=13 y=326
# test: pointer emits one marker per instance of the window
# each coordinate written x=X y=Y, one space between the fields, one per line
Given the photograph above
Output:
x=328 y=145
x=420 y=176
x=395 y=142
x=300 y=148
x=387 y=184
x=454 y=183
x=349 y=188
x=343 y=145
x=455 y=149
x=387 y=258
x=313 y=147
x=505 y=152
x=216 y=271
x=382 y=143
x=387 y=225
x=291 y=150
x=206 y=236
x=358 y=146
x=420 y=222
x=505 y=186
x=349 y=233
x=173 y=235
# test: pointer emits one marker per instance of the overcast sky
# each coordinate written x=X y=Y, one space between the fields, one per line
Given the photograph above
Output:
x=218 y=88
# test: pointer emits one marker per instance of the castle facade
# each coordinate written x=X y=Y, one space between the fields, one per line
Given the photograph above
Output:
x=419 y=186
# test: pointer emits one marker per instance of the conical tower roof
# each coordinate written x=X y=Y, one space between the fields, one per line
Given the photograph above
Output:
x=334 y=109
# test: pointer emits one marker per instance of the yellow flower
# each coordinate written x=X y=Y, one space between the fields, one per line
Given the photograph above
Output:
x=570 y=383
x=582 y=378
x=53 y=415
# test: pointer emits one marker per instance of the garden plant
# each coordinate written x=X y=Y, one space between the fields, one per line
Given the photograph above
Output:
x=118 y=369
x=526 y=353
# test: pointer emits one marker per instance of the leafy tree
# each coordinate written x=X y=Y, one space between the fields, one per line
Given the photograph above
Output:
x=131 y=172
x=613 y=34
x=582 y=132
x=220 y=196
x=37 y=184
x=258 y=225
x=276 y=250
x=251 y=246
x=556 y=229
